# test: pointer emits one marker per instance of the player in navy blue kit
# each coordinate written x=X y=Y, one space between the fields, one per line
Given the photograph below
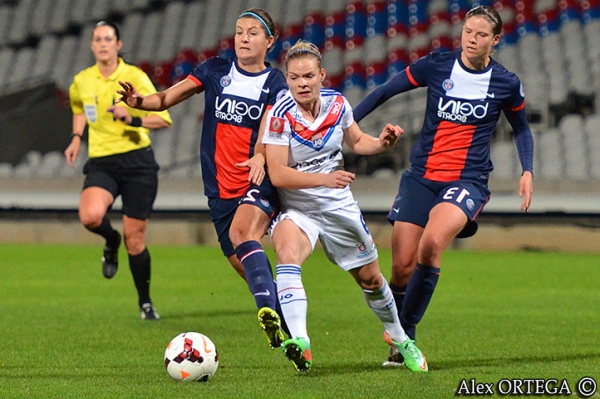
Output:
x=447 y=184
x=241 y=198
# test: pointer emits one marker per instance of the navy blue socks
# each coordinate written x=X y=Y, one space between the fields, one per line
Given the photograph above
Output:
x=259 y=274
x=418 y=295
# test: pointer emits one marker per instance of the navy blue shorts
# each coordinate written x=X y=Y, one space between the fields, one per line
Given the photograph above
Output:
x=132 y=175
x=222 y=211
x=417 y=196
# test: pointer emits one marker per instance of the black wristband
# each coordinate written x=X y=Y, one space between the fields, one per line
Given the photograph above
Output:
x=76 y=135
x=136 y=121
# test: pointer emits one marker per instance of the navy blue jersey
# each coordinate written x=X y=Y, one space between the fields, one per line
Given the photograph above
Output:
x=236 y=101
x=463 y=108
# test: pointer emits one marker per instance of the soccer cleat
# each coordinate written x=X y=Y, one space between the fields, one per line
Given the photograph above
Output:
x=413 y=358
x=271 y=324
x=395 y=358
x=298 y=351
x=110 y=260
x=148 y=312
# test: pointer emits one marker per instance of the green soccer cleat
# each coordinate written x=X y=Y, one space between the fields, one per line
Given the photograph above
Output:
x=298 y=351
x=413 y=358
x=271 y=324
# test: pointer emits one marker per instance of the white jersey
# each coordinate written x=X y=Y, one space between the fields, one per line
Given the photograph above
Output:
x=314 y=147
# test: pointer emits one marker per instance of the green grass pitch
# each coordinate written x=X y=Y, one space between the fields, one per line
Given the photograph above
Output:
x=66 y=332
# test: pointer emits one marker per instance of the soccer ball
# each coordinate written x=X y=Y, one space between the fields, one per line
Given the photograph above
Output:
x=191 y=356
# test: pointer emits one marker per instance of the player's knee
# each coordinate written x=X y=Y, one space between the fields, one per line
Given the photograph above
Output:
x=90 y=218
x=431 y=250
x=134 y=243
x=371 y=282
x=237 y=236
x=402 y=270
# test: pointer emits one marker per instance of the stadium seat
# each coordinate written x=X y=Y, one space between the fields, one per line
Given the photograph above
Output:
x=7 y=55
x=148 y=36
x=575 y=146
x=171 y=30
x=505 y=159
x=130 y=31
x=592 y=131
x=551 y=165
x=45 y=55
x=6 y=12
x=21 y=67
x=193 y=13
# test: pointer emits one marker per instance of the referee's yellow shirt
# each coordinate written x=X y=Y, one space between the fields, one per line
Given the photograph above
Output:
x=91 y=94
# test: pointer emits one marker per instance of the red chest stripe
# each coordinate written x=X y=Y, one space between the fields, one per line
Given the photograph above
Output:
x=330 y=120
x=448 y=154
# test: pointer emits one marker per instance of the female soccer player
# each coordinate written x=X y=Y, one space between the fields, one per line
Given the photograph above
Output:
x=447 y=184
x=241 y=199
x=121 y=161
x=304 y=136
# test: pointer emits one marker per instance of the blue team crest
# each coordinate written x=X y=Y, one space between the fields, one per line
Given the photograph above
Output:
x=317 y=141
x=447 y=84
x=264 y=202
x=470 y=204
x=225 y=81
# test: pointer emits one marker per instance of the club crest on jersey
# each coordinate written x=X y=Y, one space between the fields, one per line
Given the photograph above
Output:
x=317 y=140
x=276 y=125
x=225 y=81
x=264 y=202
x=447 y=84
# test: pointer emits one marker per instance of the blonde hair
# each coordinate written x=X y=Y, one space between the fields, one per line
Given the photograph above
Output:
x=303 y=49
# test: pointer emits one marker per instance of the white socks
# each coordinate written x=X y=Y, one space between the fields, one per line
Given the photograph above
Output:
x=292 y=299
x=382 y=303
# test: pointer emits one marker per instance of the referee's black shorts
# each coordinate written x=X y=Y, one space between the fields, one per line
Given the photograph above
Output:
x=132 y=175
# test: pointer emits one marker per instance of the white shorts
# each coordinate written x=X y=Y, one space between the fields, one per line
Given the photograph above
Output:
x=342 y=232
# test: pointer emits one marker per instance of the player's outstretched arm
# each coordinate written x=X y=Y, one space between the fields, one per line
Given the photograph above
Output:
x=364 y=144
x=157 y=101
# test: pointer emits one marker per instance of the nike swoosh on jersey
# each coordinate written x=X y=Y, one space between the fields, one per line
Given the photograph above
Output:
x=264 y=293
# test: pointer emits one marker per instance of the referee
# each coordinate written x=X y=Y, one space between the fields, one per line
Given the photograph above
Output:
x=121 y=161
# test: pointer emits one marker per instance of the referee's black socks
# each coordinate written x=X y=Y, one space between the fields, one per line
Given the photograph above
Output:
x=112 y=236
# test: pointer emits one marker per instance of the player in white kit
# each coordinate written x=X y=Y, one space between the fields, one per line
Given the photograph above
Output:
x=304 y=135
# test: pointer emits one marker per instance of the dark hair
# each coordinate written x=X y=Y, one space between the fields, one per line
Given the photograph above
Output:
x=491 y=14
x=268 y=24
x=112 y=25
x=303 y=49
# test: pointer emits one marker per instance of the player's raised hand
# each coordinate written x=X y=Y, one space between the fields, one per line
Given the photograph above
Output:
x=390 y=134
x=129 y=95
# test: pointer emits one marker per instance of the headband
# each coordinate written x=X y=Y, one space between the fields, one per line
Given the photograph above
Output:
x=302 y=50
x=251 y=14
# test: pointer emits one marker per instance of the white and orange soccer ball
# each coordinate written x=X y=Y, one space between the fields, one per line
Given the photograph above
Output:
x=191 y=356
